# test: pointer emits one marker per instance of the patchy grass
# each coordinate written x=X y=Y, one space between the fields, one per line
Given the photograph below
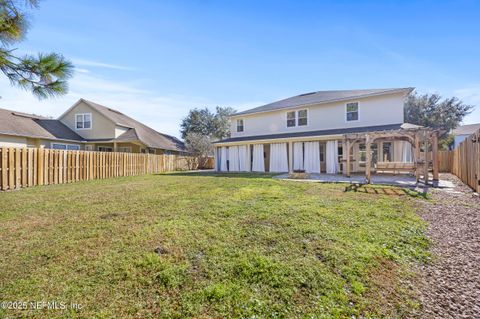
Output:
x=190 y=245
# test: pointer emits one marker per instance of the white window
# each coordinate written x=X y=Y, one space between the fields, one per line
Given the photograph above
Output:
x=301 y=115
x=105 y=149
x=302 y=118
x=83 y=121
x=352 y=112
x=63 y=146
x=240 y=125
x=291 y=119
x=89 y=147
x=124 y=149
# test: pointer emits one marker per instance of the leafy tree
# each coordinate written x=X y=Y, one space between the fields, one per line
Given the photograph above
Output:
x=200 y=147
x=204 y=122
x=431 y=111
x=44 y=75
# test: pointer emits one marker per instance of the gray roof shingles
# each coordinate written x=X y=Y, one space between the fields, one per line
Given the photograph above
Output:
x=30 y=125
x=320 y=97
x=322 y=132
x=466 y=129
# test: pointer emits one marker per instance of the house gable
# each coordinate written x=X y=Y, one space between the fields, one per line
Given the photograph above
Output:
x=101 y=126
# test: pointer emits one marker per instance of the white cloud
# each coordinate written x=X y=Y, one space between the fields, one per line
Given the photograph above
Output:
x=84 y=62
x=161 y=112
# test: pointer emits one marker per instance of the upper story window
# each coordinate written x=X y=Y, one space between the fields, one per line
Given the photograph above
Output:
x=240 y=126
x=301 y=115
x=83 y=121
x=352 y=111
x=291 y=119
x=302 y=118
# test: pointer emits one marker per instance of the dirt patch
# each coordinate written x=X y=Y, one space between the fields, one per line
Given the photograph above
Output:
x=391 y=297
x=450 y=285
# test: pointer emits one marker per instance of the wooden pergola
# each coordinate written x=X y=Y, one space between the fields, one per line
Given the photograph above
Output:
x=419 y=138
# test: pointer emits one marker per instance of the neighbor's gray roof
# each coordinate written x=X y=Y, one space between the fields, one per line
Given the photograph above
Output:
x=34 y=126
x=138 y=131
x=321 y=97
x=338 y=131
x=466 y=129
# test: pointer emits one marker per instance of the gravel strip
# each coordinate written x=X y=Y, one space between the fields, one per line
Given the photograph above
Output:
x=449 y=287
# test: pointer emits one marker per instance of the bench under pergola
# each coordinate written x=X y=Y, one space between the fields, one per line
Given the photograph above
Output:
x=418 y=137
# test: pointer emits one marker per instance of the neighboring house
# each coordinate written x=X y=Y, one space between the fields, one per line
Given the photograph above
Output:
x=85 y=126
x=305 y=132
x=462 y=132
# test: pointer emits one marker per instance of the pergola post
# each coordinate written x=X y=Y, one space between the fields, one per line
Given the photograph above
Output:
x=435 y=155
x=417 y=157
x=290 y=157
x=346 y=152
x=368 y=159
x=425 y=163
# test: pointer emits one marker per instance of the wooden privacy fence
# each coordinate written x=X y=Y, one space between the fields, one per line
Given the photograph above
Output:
x=464 y=161
x=25 y=167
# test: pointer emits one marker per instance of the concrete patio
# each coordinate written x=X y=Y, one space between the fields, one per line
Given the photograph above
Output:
x=400 y=180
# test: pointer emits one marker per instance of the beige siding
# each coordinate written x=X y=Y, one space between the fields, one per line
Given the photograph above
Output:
x=373 y=111
x=13 y=141
x=101 y=126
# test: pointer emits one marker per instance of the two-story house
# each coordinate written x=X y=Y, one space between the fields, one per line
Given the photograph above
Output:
x=85 y=126
x=305 y=132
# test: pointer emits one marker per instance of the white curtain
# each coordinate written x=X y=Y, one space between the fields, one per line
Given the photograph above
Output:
x=233 y=165
x=312 y=157
x=223 y=159
x=332 y=157
x=258 y=162
x=407 y=155
x=298 y=156
x=243 y=159
x=278 y=157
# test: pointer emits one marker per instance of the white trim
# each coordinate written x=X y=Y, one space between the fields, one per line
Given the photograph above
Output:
x=83 y=121
x=358 y=111
x=66 y=146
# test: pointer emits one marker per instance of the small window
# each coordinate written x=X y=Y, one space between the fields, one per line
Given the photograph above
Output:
x=291 y=119
x=124 y=149
x=302 y=118
x=352 y=111
x=322 y=153
x=62 y=146
x=58 y=146
x=105 y=149
x=83 y=121
x=240 y=125
x=72 y=147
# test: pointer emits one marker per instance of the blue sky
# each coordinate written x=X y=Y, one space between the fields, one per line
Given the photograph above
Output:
x=155 y=60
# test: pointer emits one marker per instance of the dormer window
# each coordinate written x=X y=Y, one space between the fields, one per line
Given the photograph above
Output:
x=240 y=125
x=352 y=111
x=83 y=121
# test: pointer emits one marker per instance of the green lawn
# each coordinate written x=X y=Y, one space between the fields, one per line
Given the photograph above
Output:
x=180 y=245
